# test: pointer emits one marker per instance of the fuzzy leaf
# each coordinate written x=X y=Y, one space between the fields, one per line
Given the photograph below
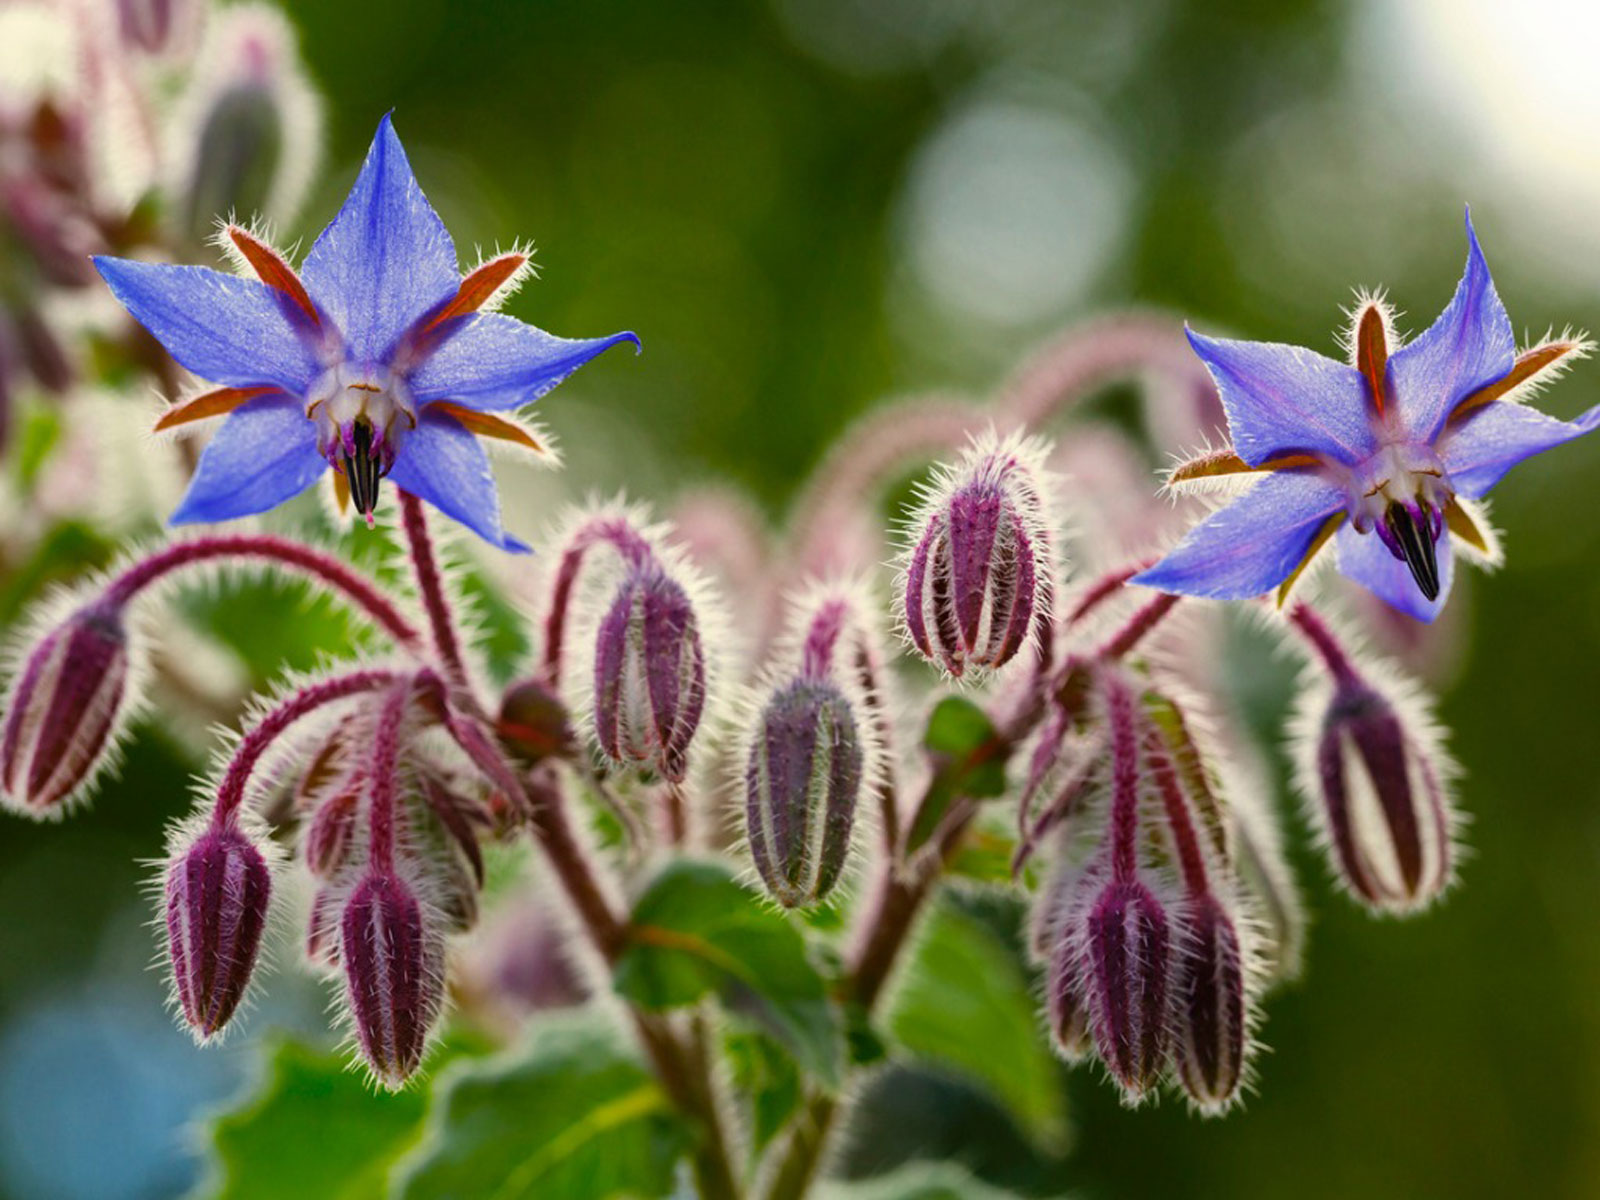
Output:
x=965 y=1006
x=960 y=740
x=314 y=1128
x=697 y=930
x=573 y=1114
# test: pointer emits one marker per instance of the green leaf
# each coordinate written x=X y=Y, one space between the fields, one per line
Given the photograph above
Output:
x=574 y=1115
x=765 y=1075
x=961 y=741
x=918 y=1181
x=314 y=1128
x=965 y=1006
x=697 y=930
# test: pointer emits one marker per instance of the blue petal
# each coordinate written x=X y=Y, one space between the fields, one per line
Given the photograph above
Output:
x=1282 y=399
x=1253 y=544
x=1492 y=441
x=442 y=463
x=498 y=362
x=265 y=452
x=386 y=258
x=1364 y=558
x=229 y=330
x=1470 y=346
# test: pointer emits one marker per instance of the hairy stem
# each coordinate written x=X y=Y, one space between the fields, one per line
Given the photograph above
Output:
x=1123 y=642
x=430 y=584
x=312 y=564
x=382 y=770
x=1310 y=625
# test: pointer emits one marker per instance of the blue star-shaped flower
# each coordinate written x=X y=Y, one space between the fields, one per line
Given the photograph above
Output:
x=1385 y=456
x=376 y=361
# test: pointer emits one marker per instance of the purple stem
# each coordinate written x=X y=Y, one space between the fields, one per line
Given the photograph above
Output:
x=1142 y=622
x=1124 y=776
x=313 y=564
x=431 y=586
x=1315 y=631
x=1104 y=588
x=608 y=530
x=254 y=743
x=1180 y=816
x=382 y=770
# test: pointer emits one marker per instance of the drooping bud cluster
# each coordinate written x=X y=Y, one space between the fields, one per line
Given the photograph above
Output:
x=979 y=573
x=651 y=667
x=393 y=967
x=1147 y=959
x=67 y=704
x=1376 y=779
x=811 y=748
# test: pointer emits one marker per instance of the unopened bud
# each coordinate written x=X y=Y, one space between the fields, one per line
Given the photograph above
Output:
x=63 y=712
x=1382 y=801
x=1210 y=1006
x=216 y=898
x=330 y=837
x=1128 y=961
x=802 y=781
x=979 y=572
x=1068 y=1007
x=393 y=966
x=322 y=928
x=649 y=674
x=533 y=723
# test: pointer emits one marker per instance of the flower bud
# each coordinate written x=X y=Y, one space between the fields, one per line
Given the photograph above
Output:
x=1068 y=1006
x=63 y=711
x=330 y=837
x=533 y=723
x=1383 y=807
x=216 y=907
x=979 y=572
x=1210 y=1006
x=393 y=965
x=802 y=782
x=322 y=928
x=1128 y=959
x=649 y=674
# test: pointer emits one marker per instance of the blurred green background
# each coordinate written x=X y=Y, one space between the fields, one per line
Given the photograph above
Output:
x=805 y=206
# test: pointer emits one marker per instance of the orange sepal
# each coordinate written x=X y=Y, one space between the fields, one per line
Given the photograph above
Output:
x=488 y=425
x=478 y=287
x=210 y=404
x=273 y=270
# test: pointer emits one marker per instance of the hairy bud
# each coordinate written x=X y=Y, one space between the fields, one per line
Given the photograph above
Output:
x=1210 y=1006
x=63 y=710
x=393 y=965
x=533 y=723
x=979 y=571
x=1128 y=962
x=1386 y=816
x=802 y=781
x=216 y=898
x=330 y=837
x=649 y=673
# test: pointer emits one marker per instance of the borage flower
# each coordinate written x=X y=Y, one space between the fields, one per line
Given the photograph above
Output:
x=377 y=360
x=1385 y=456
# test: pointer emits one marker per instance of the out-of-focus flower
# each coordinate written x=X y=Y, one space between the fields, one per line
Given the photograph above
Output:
x=1385 y=456
x=979 y=573
x=381 y=363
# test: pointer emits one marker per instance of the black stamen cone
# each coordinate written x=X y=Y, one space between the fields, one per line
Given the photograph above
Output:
x=363 y=470
x=1416 y=548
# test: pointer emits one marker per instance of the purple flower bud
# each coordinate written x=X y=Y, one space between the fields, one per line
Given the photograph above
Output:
x=393 y=966
x=330 y=837
x=322 y=928
x=1383 y=807
x=216 y=907
x=1068 y=1006
x=649 y=673
x=1210 y=1006
x=979 y=572
x=1128 y=960
x=533 y=723
x=802 y=780
x=63 y=710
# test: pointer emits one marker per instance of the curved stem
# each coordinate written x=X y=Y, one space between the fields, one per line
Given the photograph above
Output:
x=381 y=771
x=430 y=584
x=1122 y=643
x=1320 y=638
x=612 y=529
x=303 y=560
x=230 y=795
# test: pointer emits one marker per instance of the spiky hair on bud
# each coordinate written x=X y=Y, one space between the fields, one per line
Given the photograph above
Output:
x=607 y=550
x=979 y=564
x=811 y=747
x=1377 y=782
x=77 y=673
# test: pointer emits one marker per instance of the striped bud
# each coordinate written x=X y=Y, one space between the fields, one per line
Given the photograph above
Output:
x=216 y=898
x=330 y=837
x=649 y=673
x=1382 y=802
x=322 y=928
x=802 y=781
x=1049 y=944
x=979 y=571
x=393 y=967
x=1210 y=1006
x=63 y=710
x=1128 y=961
